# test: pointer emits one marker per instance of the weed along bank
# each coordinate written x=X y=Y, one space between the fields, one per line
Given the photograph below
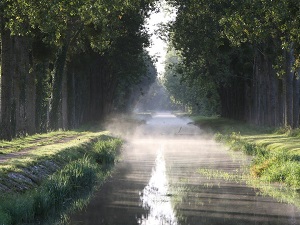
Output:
x=274 y=167
x=42 y=184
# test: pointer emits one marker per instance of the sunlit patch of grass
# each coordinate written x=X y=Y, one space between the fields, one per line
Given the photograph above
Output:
x=218 y=174
x=276 y=159
x=19 y=144
x=278 y=167
x=49 y=151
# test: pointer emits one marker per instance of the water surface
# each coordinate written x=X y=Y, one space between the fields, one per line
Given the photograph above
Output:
x=157 y=183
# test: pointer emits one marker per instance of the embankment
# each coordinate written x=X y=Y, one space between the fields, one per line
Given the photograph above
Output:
x=42 y=184
x=276 y=151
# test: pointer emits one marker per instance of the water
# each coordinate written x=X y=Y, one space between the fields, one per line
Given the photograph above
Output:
x=157 y=183
x=156 y=197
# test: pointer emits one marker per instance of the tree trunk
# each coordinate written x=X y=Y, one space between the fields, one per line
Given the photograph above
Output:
x=272 y=112
x=41 y=101
x=21 y=74
x=296 y=99
x=55 y=105
x=6 y=84
x=284 y=100
x=257 y=95
x=71 y=100
x=289 y=87
x=64 y=105
x=30 y=107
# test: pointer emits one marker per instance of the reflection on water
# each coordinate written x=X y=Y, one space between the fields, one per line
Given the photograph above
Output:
x=156 y=198
x=202 y=177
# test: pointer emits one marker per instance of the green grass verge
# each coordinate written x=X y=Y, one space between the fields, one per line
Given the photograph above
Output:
x=276 y=152
x=282 y=193
x=73 y=172
x=62 y=149
x=37 y=140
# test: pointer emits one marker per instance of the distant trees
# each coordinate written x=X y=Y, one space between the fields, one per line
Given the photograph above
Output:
x=64 y=63
x=249 y=50
x=193 y=95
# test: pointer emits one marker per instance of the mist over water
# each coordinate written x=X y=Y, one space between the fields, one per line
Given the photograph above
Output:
x=156 y=182
x=164 y=125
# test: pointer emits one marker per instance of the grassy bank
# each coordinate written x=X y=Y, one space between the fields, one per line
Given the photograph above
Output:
x=37 y=140
x=52 y=178
x=276 y=151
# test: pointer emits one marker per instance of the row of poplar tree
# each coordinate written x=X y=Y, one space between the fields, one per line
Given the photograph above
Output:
x=69 y=62
x=243 y=54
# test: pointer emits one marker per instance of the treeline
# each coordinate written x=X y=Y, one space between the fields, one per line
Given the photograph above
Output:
x=246 y=51
x=189 y=94
x=65 y=63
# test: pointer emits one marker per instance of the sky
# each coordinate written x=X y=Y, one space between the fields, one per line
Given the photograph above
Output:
x=158 y=48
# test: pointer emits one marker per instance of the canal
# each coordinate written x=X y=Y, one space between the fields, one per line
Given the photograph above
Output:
x=157 y=182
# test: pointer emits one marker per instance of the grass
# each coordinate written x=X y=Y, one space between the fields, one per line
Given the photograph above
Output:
x=19 y=144
x=276 y=151
x=282 y=193
x=56 y=172
x=59 y=149
x=78 y=175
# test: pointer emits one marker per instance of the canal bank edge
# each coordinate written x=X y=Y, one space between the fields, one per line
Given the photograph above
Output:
x=276 y=151
x=37 y=187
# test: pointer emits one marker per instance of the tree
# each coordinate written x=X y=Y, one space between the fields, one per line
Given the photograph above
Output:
x=197 y=95
x=44 y=45
x=250 y=50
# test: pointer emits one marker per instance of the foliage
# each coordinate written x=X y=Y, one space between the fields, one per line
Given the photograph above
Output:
x=197 y=95
x=72 y=47
x=157 y=98
x=249 y=50
x=132 y=88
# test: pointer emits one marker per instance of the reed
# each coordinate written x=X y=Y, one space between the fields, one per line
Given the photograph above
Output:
x=276 y=151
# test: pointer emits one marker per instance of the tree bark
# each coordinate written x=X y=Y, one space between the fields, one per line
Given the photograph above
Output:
x=30 y=95
x=21 y=87
x=6 y=84
x=289 y=87
x=71 y=100
x=64 y=105
x=41 y=100
x=296 y=99
x=55 y=104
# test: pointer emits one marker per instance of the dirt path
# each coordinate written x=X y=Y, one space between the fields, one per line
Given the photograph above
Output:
x=157 y=183
x=43 y=141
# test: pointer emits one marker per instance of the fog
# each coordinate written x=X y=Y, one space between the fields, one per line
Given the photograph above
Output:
x=156 y=181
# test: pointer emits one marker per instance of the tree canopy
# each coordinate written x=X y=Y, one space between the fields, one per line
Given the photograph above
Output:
x=63 y=63
x=248 y=49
